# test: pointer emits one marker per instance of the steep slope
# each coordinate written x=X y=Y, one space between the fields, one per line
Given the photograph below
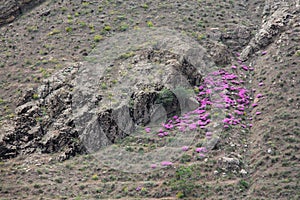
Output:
x=255 y=154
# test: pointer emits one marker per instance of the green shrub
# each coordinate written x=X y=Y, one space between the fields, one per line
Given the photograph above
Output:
x=123 y=27
x=69 y=29
x=150 y=24
x=243 y=184
x=145 y=6
x=127 y=55
x=95 y=177
x=182 y=181
x=107 y=28
x=165 y=96
x=54 y=32
x=35 y=96
x=103 y=86
x=97 y=38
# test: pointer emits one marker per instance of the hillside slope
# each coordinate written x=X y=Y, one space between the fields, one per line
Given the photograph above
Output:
x=251 y=50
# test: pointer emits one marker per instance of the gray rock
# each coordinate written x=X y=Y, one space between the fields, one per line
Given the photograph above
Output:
x=273 y=26
x=229 y=163
x=236 y=38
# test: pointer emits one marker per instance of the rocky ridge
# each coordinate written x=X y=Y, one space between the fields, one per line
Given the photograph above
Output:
x=11 y=9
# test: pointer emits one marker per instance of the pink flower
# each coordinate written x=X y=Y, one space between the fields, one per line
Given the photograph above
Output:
x=168 y=126
x=153 y=166
x=204 y=117
x=201 y=93
x=166 y=163
x=192 y=126
x=201 y=155
x=235 y=82
x=230 y=76
x=254 y=105
x=166 y=133
x=226 y=120
x=138 y=188
x=263 y=53
x=199 y=111
x=238 y=112
x=161 y=135
x=208 y=91
x=259 y=95
x=232 y=88
x=201 y=149
x=148 y=130
x=240 y=108
x=233 y=67
x=250 y=125
x=261 y=84
x=206 y=122
x=258 y=113
x=209 y=134
x=242 y=92
x=184 y=148
x=244 y=67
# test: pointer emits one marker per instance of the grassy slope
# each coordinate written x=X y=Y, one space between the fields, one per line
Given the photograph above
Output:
x=32 y=49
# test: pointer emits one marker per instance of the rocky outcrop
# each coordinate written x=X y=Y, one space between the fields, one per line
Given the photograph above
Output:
x=11 y=9
x=43 y=121
x=73 y=111
x=272 y=26
x=151 y=98
x=236 y=37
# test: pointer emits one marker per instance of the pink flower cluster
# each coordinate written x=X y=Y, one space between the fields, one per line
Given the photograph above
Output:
x=233 y=97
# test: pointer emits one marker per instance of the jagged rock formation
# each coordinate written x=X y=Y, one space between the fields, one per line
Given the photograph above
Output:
x=273 y=25
x=44 y=120
x=11 y=9
x=68 y=114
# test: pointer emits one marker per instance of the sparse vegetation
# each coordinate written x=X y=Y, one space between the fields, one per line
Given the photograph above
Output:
x=98 y=38
x=39 y=43
x=150 y=24
x=107 y=28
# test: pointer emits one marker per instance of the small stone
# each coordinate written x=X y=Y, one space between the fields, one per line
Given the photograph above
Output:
x=243 y=172
x=269 y=151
